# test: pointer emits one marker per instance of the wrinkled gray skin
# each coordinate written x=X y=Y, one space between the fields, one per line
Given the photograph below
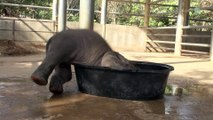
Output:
x=75 y=46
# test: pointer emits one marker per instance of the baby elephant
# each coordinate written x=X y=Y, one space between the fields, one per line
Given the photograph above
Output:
x=75 y=46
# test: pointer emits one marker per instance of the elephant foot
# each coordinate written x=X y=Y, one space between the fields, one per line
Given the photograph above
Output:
x=38 y=79
x=56 y=85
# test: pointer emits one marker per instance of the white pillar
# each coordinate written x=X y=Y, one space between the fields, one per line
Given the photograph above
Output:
x=55 y=10
x=86 y=14
x=62 y=12
x=211 y=48
x=103 y=17
x=179 y=29
x=103 y=11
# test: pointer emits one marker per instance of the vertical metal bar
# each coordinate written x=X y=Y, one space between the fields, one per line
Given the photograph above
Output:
x=62 y=11
x=103 y=16
x=55 y=15
x=179 y=29
x=86 y=14
x=146 y=19
x=55 y=10
x=211 y=48
x=147 y=13
x=186 y=8
x=103 y=11
x=13 y=30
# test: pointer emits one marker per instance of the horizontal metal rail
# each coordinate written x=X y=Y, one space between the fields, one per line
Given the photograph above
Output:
x=184 y=44
x=123 y=14
x=158 y=15
x=24 y=19
x=196 y=27
x=197 y=36
x=27 y=30
x=171 y=27
x=184 y=50
x=71 y=9
x=159 y=41
x=166 y=5
x=201 y=20
x=23 y=5
x=137 y=2
x=169 y=35
x=164 y=48
x=173 y=35
x=196 y=44
x=194 y=51
x=152 y=2
x=184 y=27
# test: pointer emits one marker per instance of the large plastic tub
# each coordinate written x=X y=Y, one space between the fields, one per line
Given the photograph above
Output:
x=146 y=84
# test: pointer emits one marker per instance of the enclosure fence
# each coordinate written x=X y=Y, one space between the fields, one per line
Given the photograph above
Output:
x=162 y=39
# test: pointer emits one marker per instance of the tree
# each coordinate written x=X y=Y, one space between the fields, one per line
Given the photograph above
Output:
x=27 y=11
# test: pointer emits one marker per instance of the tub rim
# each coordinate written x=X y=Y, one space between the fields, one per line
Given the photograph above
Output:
x=167 y=67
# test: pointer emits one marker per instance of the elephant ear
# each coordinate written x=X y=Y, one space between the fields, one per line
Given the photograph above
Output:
x=115 y=60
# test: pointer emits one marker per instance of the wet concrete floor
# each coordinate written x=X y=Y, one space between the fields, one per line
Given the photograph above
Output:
x=21 y=99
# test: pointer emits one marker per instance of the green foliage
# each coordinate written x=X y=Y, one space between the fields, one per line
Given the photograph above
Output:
x=168 y=90
x=124 y=13
x=198 y=14
x=131 y=13
x=27 y=11
x=36 y=13
x=161 y=15
x=30 y=2
x=73 y=17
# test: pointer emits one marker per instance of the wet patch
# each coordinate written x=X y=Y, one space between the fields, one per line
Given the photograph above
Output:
x=21 y=99
x=196 y=89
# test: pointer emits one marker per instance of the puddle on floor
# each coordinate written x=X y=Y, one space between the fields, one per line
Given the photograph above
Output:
x=23 y=100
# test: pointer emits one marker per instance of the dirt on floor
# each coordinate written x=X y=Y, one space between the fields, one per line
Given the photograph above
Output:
x=14 y=48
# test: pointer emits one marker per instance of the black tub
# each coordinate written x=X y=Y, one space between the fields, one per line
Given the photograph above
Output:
x=147 y=84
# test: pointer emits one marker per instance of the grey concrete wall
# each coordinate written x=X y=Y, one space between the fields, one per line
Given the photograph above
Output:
x=25 y=30
x=119 y=37
x=130 y=38
x=6 y=27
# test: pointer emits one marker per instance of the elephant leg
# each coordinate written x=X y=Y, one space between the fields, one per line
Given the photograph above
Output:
x=61 y=75
x=41 y=74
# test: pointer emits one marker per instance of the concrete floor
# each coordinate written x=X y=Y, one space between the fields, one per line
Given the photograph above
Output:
x=21 y=99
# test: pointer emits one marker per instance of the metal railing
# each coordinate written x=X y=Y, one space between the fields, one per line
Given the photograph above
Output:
x=206 y=44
